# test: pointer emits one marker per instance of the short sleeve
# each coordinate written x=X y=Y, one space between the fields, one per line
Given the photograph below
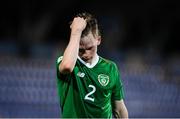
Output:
x=58 y=74
x=118 y=91
x=58 y=61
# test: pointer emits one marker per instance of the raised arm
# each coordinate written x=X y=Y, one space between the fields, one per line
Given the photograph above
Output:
x=71 y=52
x=120 y=110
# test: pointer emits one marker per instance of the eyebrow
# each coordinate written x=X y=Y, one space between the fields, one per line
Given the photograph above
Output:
x=86 y=48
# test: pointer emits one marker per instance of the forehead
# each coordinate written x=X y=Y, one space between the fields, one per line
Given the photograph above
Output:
x=87 y=41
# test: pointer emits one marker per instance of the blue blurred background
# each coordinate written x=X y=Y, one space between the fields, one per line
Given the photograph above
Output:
x=140 y=36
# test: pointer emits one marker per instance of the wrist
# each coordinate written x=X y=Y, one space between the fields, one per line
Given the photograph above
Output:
x=75 y=35
x=76 y=32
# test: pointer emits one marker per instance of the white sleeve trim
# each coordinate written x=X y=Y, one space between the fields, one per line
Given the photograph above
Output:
x=59 y=59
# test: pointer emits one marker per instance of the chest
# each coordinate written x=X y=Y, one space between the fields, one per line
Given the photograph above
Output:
x=102 y=78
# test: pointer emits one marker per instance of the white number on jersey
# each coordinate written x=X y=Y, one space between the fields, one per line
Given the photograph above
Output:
x=87 y=97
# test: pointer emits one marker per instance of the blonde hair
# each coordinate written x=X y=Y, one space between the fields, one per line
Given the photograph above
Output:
x=92 y=25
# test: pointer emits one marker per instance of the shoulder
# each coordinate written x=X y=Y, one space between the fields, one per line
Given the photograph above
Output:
x=108 y=61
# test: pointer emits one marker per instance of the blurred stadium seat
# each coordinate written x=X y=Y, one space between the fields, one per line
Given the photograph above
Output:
x=28 y=87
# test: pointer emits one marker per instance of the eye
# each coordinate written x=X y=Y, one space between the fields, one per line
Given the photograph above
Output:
x=89 y=48
x=81 y=50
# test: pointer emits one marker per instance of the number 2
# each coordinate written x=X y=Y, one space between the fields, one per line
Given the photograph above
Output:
x=87 y=97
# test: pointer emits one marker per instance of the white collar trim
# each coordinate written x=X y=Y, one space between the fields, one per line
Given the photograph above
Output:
x=94 y=61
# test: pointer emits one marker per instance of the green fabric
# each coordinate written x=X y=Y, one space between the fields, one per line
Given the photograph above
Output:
x=89 y=92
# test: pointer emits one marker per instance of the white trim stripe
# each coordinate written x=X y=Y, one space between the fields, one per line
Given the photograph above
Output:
x=94 y=61
x=59 y=59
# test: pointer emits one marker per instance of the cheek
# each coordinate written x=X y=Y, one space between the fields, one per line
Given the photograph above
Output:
x=92 y=52
x=88 y=53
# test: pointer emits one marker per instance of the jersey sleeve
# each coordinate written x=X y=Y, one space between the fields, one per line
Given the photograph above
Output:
x=58 y=61
x=58 y=74
x=118 y=91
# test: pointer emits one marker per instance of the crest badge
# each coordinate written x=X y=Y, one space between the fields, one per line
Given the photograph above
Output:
x=103 y=79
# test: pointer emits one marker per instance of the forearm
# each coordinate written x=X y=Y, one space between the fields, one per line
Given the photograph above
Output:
x=120 y=110
x=121 y=114
x=71 y=52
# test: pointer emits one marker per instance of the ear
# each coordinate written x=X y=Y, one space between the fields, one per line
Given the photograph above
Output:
x=98 y=40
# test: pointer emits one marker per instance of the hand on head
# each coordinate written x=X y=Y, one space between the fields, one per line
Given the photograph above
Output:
x=78 y=24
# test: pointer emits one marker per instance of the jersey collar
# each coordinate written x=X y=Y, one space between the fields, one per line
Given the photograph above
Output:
x=94 y=61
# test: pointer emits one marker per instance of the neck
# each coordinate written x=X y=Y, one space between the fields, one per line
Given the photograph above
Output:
x=93 y=59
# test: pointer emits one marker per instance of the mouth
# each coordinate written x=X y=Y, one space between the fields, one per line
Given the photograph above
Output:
x=88 y=60
x=85 y=59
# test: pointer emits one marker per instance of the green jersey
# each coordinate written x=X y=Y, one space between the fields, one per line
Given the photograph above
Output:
x=89 y=91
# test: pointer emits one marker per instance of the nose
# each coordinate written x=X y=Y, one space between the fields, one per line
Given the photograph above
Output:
x=85 y=56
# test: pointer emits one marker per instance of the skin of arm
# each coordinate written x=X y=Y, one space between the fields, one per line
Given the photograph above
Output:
x=71 y=52
x=120 y=110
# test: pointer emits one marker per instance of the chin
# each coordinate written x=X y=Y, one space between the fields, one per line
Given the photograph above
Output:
x=87 y=60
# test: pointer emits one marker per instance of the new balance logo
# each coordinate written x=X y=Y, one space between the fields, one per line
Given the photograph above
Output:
x=80 y=74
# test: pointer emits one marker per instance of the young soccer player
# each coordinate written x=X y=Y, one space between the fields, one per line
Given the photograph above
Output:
x=89 y=86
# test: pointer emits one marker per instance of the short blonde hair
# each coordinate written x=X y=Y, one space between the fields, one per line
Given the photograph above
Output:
x=92 y=25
